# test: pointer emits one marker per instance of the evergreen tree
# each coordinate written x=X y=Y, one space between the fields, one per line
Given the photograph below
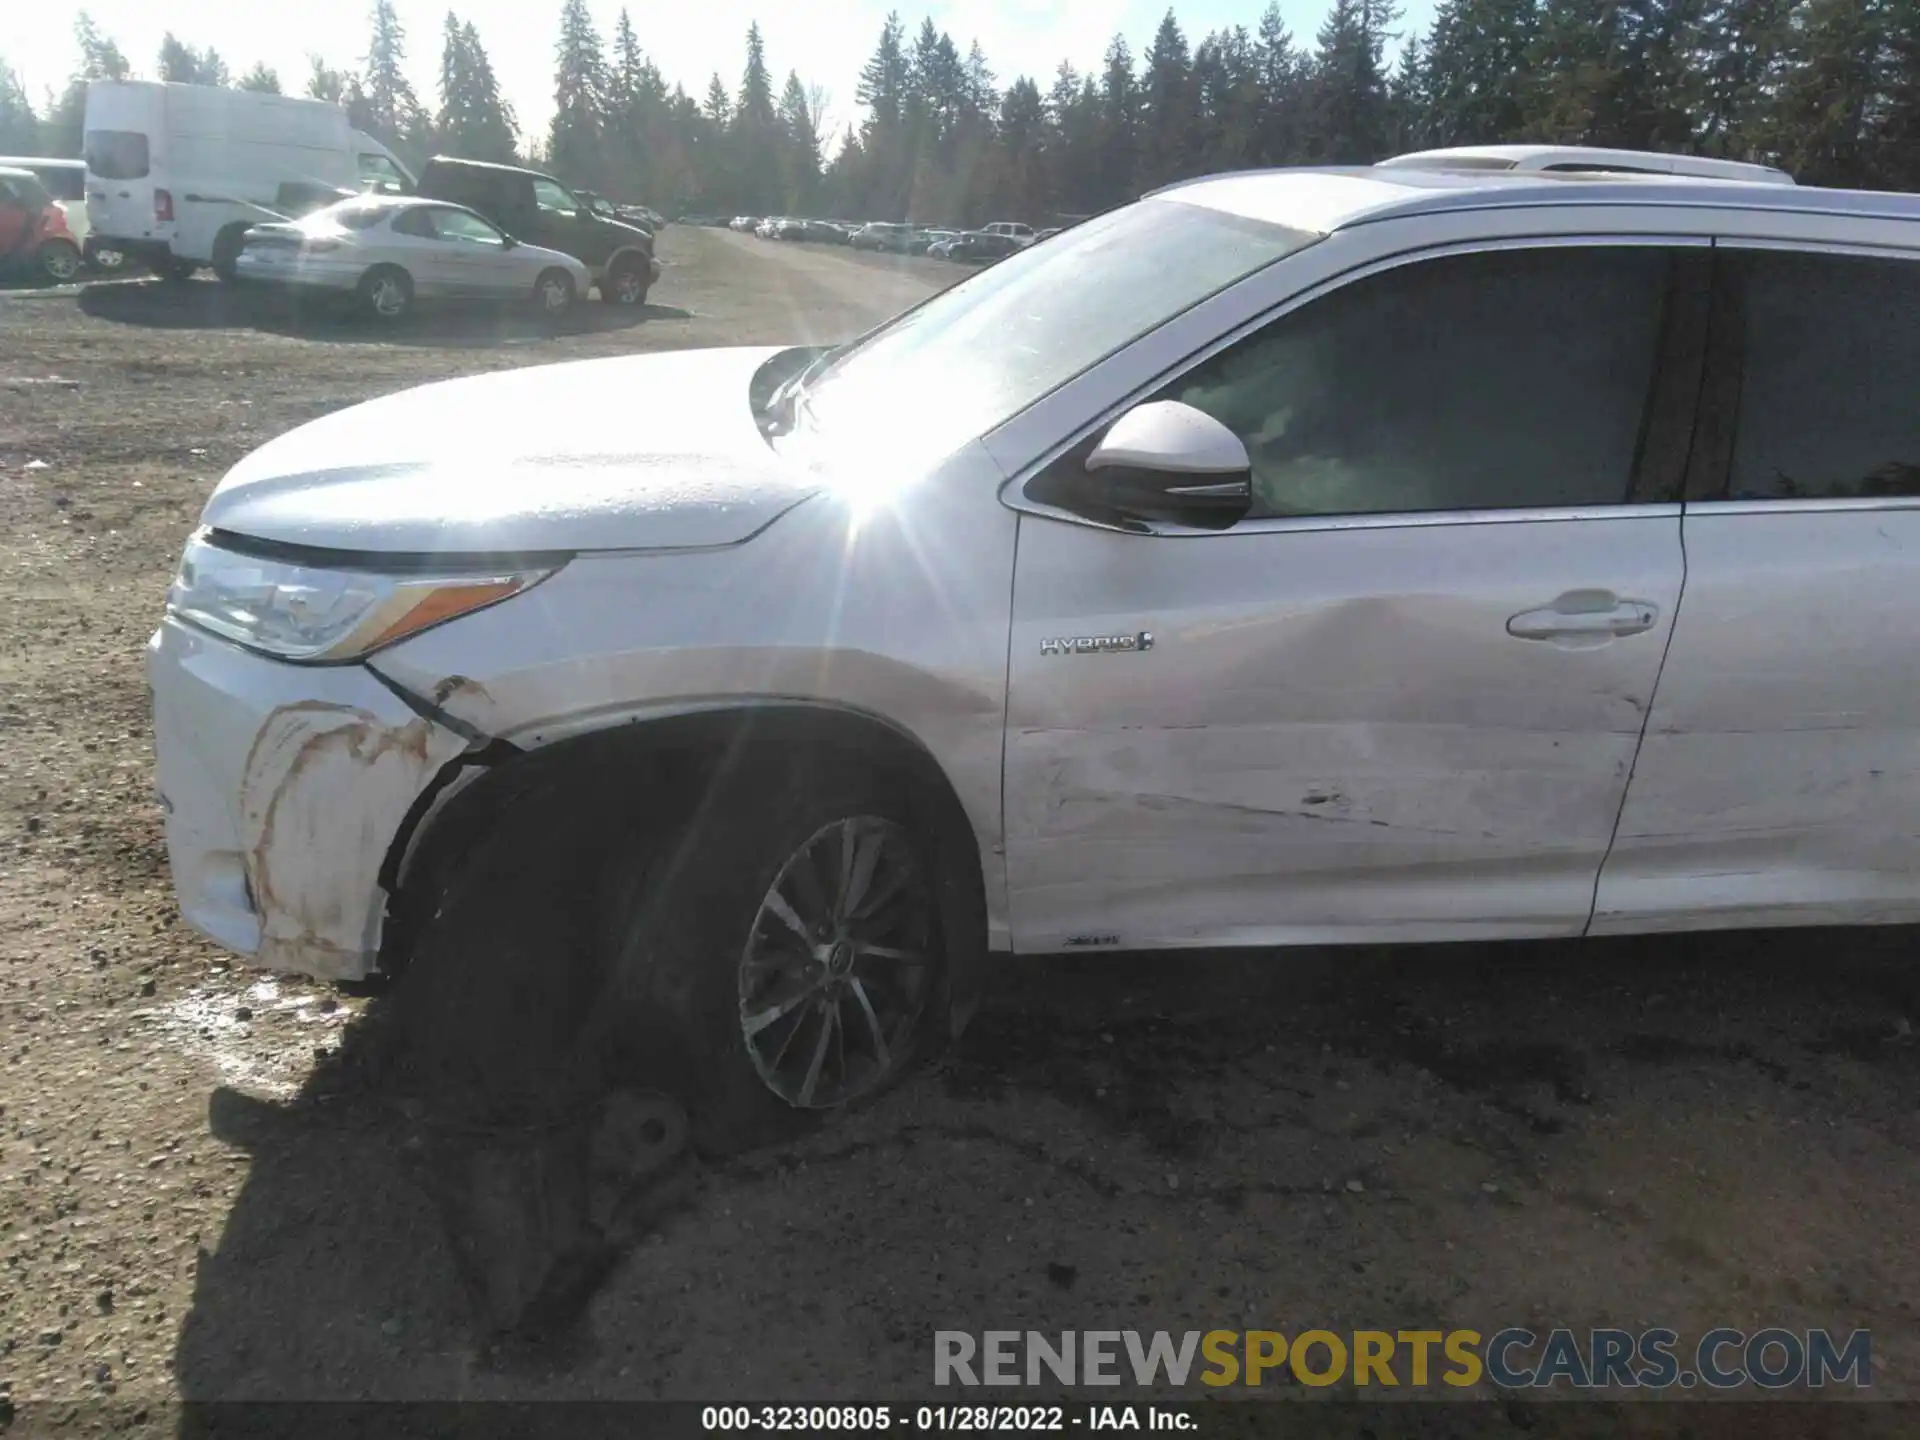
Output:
x=261 y=79
x=473 y=120
x=1119 y=125
x=389 y=108
x=1348 y=119
x=1474 y=76
x=580 y=86
x=19 y=126
x=1168 y=110
x=800 y=148
x=63 y=130
x=1281 y=77
x=178 y=63
x=326 y=83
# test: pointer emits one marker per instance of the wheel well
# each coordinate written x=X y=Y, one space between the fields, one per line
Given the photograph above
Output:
x=646 y=780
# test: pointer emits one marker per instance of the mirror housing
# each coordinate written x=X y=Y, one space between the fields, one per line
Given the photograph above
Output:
x=507 y=242
x=1168 y=462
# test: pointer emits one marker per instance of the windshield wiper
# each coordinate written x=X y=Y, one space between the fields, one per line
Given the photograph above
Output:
x=784 y=405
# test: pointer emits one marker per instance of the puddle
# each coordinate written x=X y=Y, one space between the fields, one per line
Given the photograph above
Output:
x=260 y=1035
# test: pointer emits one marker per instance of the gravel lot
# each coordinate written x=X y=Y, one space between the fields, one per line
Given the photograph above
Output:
x=206 y=1193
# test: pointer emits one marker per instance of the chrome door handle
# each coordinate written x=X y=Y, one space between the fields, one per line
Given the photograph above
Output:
x=1584 y=616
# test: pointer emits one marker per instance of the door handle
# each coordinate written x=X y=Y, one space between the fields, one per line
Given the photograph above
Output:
x=1584 y=615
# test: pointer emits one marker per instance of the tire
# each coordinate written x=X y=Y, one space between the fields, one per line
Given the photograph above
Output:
x=626 y=284
x=703 y=946
x=178 y=271
x=59 y=261
x=226 y=253
x=106 y=258
x=553 y=294
x=386 y=294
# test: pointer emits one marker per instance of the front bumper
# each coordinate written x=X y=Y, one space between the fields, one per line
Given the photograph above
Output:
x=284 y=786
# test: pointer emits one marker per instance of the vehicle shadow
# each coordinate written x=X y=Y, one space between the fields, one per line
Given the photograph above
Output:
x=207 y=305
x=1657 y=1113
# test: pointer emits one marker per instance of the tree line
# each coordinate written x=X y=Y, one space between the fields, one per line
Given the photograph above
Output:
x=1829 y=89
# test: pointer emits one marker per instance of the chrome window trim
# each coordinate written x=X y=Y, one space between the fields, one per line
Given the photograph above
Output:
x=1395 y=255
x=1802 y=507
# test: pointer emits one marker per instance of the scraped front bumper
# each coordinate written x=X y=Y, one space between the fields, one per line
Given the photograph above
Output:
x=283 y=786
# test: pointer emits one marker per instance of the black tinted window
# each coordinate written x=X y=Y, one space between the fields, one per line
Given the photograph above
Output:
x=63 y=182
x=417 y=222
x=1513 y=379
x=117 y=154
x=1828 y=391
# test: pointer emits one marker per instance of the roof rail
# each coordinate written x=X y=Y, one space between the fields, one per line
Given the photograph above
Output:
x=1577 y=158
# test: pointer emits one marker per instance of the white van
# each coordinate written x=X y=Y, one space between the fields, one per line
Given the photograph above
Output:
x=176 y=173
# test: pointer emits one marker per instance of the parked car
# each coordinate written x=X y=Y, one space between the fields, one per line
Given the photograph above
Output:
x=922 y=241
x=176 y=173
x=979 y=247
x=1349 y=604
x=66 y=182
x=538 y=210
x=33 y=230
x=393 y=252
x=1012 y=229
x=883 y=235
x=744 y=223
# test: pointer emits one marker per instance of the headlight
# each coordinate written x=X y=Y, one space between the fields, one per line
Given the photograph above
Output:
x=318 y=614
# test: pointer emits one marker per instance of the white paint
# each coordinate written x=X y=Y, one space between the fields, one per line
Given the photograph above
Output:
x=640 y=452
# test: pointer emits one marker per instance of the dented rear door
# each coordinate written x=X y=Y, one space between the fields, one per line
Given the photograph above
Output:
x=1779 y=783
x=1414 y=714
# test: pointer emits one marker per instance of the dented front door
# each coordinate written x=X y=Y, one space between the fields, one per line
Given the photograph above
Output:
x=1402 y=699
x=1332 y=736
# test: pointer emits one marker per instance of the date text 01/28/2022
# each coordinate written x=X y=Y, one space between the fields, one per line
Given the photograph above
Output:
x=978 y=1419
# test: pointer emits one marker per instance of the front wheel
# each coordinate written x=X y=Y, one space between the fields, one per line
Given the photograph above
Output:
x=386 y=294
x=553 y=292
x=626 y=284
x=790 y=944
x=59 y=261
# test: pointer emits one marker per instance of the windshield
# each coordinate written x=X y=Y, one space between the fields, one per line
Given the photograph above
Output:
x=978 y=354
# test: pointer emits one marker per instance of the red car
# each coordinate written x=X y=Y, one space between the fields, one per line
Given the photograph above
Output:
x=33 y=231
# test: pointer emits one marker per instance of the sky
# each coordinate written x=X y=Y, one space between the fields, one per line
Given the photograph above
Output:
x=825 y=42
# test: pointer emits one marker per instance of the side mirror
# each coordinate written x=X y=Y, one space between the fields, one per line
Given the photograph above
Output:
x=1165 y=461
x=507 y=242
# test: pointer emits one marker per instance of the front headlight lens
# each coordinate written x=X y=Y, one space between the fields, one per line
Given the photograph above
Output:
x=318 y=614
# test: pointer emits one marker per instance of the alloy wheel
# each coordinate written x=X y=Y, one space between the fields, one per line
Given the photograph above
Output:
x=555 y=294
x=839 y=964
x=627 y=288
x=61 y=262
x=389 y=296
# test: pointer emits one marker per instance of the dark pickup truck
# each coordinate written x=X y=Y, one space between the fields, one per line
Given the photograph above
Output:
x=539 y=210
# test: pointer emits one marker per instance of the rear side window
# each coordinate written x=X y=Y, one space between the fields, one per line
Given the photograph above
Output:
x=63 y=182
x=1828 y=389
x=117 y=154
x=1514 y=379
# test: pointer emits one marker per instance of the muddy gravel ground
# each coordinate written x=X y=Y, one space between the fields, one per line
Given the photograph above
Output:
x=206 y=1192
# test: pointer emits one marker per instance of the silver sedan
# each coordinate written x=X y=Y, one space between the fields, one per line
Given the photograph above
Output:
x=391 y=251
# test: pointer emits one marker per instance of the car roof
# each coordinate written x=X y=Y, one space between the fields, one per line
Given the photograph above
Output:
x=31 y=163
x=1586 y=157
x=1324 y=200
x=458 y=162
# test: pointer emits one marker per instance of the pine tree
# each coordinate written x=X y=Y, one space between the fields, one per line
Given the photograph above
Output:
x=1822 y=122
x=326 y=83
x=1119 y=127
x=19 y=126
x=575 y=138
x=1282 y=135
x=1348 y=120
x=1168 y=113
x=261 y=79
x=1897 y=134
x=473 y=120
x=390 y=108
x=800 y=148
x=1475 y=74
x=1734 y=58
x=63 y=129
x=178 y=63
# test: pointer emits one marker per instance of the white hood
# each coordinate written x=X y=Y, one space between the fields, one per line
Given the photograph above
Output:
x=640 y=452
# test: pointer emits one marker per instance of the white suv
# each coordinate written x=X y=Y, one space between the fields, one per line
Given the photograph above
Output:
x=1409 y=555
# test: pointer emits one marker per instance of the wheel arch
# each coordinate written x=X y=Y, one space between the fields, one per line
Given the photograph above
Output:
x=673 y=757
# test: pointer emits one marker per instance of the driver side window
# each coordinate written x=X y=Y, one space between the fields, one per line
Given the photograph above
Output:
x=1511 y=379
x=549 y=196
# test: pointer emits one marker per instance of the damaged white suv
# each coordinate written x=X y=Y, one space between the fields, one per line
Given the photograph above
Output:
x=1296 y=557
